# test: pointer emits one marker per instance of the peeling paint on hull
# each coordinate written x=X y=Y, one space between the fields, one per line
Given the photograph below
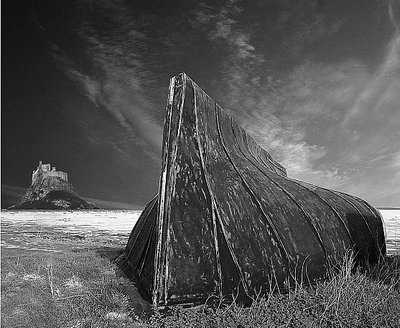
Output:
x=227 y=219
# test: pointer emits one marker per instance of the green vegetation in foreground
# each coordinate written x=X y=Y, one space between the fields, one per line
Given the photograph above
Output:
x=86 y=289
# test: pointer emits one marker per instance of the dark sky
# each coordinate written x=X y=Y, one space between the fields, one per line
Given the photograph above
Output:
x=316 y=83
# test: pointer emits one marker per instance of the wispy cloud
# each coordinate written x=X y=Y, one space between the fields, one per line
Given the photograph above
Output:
x=394 y=13
x=325 y=122
x=254 y=96
x=114 y=76
x=352 y=112
x=301 y=24
x=381 y=91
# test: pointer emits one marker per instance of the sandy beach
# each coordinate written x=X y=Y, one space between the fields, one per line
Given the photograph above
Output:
x=117 y=224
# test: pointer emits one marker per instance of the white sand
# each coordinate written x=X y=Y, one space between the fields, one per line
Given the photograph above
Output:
x=116 y=222
x=122 y=222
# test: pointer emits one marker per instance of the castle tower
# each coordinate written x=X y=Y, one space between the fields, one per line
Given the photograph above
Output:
x=47 y=170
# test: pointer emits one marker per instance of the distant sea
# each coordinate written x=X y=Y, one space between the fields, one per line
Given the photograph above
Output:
x=121 y=222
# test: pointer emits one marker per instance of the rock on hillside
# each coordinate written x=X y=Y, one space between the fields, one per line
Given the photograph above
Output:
x=42 y=186
x=56 y=200
x=51 y=192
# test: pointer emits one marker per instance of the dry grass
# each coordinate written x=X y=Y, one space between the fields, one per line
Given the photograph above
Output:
x=80 y=286
x=64 y=290
x=351 y=298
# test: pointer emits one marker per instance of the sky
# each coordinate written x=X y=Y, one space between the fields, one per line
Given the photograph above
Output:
x=315 y=83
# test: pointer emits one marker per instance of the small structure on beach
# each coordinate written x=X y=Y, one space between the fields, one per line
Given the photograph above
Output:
x=228 y=220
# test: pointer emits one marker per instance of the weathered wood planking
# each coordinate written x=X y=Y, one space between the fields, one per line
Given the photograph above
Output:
x=227 y=219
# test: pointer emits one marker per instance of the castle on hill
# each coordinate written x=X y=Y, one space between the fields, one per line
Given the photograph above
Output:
x=48 y=172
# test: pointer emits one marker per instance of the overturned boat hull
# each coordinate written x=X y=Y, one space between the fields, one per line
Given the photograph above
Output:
x=228 y=221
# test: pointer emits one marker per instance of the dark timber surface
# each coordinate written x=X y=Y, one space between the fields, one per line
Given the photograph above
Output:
x=227 y=219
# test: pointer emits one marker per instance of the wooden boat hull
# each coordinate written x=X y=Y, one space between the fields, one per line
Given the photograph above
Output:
x=227 y=220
